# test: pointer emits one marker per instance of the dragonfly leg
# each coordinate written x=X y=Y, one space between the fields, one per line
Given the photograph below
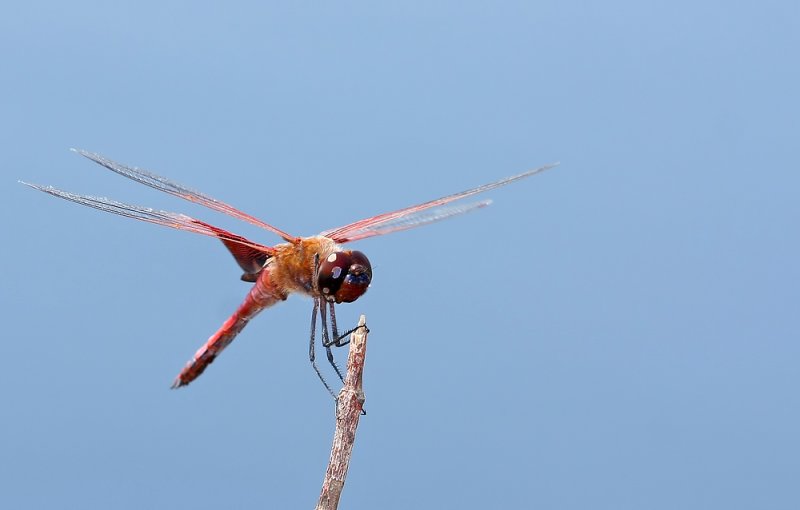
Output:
x=326 y=342
x=334 y=340
x=311 y=355
x=337 y=339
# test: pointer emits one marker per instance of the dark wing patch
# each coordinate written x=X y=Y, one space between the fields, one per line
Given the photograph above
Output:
x=249 y=259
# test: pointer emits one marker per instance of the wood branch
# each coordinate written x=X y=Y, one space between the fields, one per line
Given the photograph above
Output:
x=348 y=411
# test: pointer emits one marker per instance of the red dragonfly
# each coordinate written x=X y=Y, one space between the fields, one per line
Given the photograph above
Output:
x=317 y=266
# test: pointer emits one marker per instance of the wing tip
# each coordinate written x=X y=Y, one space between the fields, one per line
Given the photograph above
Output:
x=35 y=186
x=86 y=154
x=543 y=168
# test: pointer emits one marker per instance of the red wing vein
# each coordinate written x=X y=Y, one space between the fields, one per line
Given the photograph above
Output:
x=377 y=225
x=413 y=220
x=173 y=188
x=165 y=218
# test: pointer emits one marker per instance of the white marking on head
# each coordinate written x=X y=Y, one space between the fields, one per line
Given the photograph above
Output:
x=337 y=271
x=332 y=257
x=325 y=290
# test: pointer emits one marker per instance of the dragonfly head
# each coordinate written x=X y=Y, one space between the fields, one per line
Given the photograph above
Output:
x=344 y=276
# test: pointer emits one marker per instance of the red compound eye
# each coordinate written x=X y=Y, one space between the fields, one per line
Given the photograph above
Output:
x=344 y=276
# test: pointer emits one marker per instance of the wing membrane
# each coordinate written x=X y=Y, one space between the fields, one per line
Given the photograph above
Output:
x=173 y=188
x=165 y=218
x=413 y=220
x=421 y=214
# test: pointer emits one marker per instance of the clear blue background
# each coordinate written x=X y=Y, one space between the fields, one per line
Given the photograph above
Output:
x=618 y=333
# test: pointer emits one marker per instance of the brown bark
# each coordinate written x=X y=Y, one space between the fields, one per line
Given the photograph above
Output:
x=348 y=411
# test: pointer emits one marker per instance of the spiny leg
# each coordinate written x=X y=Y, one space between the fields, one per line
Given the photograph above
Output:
x=326 y=342
x=337 y=341
x=311 y=355
x=337 y=338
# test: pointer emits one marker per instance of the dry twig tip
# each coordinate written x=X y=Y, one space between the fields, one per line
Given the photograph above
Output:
x=348 y=411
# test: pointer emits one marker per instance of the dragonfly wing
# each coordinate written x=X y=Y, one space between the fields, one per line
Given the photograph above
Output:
x=249 y=259
x=173 y=188
x=165 y=218
x=413 y=220
x=418 y=215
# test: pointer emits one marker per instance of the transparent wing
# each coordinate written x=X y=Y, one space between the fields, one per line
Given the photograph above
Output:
x=421 y=214
x=413 y=220
x=173 y=188
x=165 y=218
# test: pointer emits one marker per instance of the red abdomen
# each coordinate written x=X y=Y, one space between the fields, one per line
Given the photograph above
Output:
x=263 y=295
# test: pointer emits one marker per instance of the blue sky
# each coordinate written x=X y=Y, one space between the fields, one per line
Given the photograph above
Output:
x=620 y=332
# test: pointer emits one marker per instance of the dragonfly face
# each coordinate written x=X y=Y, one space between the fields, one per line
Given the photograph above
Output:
x=344 y=276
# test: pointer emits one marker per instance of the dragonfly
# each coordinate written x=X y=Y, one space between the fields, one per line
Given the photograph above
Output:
x=317 y=266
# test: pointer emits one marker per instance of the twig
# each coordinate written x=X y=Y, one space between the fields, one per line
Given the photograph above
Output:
x=348 y=410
